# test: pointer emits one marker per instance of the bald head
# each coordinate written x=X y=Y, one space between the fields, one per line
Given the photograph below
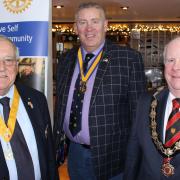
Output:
x=172 y=66
x=175 y=43
x=4 y=38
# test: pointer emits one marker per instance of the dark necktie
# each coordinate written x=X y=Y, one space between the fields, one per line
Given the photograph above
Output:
x=24 y=164
x=173 y=125
x=77 y=103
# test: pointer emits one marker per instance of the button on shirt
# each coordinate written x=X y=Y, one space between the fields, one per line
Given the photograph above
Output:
x=83 y=136
x=27 y=129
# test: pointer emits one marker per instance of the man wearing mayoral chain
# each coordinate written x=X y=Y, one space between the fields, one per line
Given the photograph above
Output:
x=154 y=145
x=98 y=84
x=26 y=148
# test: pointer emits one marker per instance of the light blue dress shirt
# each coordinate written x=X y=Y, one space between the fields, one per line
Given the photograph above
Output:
x=83 y=136
x=27 y=129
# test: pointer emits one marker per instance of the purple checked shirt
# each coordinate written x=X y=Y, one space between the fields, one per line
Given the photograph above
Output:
x=83 y=136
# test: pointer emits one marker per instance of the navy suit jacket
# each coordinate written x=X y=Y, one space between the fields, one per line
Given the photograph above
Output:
x=40 y=119
x=119 y=81
x=144 y=161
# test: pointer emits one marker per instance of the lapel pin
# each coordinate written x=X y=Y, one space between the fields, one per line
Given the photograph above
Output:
x=30 y=103
x=46 y=132
x=105 y=60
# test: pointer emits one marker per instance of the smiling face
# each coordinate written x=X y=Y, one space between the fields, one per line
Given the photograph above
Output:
x=91 y=27
x=8 y=66
x=172 y=66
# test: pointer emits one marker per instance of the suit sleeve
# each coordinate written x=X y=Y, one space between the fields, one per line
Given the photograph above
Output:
x=133 y=157
x=137 y=83
x=53 y=171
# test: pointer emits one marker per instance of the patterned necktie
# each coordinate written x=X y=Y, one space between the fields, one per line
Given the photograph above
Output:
x=173 y=125
x=77 y=103
x=24 y=164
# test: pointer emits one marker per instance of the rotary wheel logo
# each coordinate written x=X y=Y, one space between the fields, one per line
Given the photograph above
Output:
x=16 y=6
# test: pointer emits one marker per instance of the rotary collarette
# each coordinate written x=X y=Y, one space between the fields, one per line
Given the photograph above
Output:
x=85 y=77
x=6 y=131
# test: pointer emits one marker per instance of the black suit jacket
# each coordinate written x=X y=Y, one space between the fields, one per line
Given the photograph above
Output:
x=144 y=161
x=40 y=119
x=119 y=81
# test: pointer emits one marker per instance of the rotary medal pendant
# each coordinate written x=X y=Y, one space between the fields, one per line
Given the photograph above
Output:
x=84 y=78
x=167 y=168
x=8 y=153
x=7 y=135
x=83 y=86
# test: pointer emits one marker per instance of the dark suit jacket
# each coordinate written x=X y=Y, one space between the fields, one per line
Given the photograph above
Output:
x=119 y=81
x=144 y=161
x=40 y=119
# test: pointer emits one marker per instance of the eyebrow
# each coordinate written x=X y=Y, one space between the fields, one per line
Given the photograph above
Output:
x=8 y=57
x=92 y=19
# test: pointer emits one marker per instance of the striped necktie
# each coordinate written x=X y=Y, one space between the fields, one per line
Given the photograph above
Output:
x=173 y=125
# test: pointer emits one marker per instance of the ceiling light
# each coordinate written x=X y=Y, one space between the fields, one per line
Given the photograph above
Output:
x=125 y=8
x=59 y=6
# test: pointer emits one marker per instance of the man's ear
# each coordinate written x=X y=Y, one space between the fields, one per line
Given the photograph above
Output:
x=105 y=25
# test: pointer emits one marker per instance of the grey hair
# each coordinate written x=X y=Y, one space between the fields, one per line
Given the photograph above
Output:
x=16 y=50
x=166 y=46
x=89 y=5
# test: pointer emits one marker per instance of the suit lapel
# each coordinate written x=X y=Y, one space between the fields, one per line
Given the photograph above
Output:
x=30 y=105
x=102 y=67
x=3 y=167
x=162 y=100
x=68 y=74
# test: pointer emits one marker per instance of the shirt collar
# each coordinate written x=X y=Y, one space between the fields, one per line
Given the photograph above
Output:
x=10 y=93
x=96 y=52
x=171 y=97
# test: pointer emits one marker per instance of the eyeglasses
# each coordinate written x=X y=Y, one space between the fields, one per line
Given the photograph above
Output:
x=8 y=61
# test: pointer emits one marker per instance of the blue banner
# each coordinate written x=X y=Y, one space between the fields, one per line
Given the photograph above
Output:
x=30 y=37
x=26 y=23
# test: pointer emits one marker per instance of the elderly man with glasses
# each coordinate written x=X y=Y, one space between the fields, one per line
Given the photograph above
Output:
x=26 y=149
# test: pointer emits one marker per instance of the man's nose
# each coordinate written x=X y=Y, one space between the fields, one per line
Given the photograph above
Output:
x=2 y=65
x=177 y=64
x=89 y=25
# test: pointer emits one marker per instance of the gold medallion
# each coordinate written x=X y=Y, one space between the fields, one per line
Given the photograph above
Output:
x=167 y=169
x=85 y=77
x=8 y=153
x=83 y=86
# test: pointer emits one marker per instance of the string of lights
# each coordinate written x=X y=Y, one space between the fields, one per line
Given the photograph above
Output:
x=119 y=28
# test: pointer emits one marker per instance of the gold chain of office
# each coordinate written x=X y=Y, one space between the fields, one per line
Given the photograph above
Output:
x=168 y=152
